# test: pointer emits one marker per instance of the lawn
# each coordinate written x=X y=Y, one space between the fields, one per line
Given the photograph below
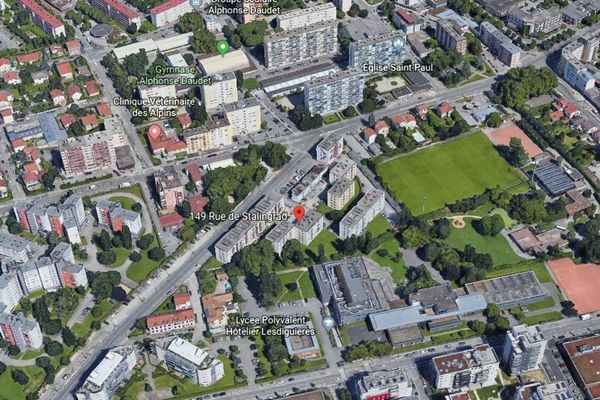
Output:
x=538 y=268
x=328 y=239
x=250 y=84
x=508 y=221
x=428 y=179
x=378 y=226
x=331 y=118
x=541 y=305
x=496 y=246
x=12 y=390
x=212 y=263
x=306 y=285
x=398 y=267
x=139 y=270
x=541 y=318
x=85 y=328
x=189 y=389
x=126 y=202
x=287 y=278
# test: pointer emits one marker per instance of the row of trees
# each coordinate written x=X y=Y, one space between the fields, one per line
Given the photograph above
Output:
x=519 y=85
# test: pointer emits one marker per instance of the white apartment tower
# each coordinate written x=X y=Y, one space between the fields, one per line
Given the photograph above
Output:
x=223 y=90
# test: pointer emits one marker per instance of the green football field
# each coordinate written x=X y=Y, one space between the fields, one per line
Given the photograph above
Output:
x=428 y=179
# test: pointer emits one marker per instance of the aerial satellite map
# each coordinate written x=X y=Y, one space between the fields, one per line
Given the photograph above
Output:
x=300 y=199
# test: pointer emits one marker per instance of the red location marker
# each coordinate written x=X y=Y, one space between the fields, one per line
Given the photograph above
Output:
x=154 y=131
x=299 y=212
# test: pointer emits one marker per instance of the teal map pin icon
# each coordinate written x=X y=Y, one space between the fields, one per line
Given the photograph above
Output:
x=222 y=47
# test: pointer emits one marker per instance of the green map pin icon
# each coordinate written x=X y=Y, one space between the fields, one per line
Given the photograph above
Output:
x=222 y=47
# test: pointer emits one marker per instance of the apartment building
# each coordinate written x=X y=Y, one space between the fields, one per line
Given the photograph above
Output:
x=169 y=12
x=299 y=45
x=248 y=231
x=20 y=331
x=70 y=274
x=340 y=193
x=406 y=21
x=451 y=36
x=537 y=391
x=500 y=45
x=217 y=134
x=306 y=16
x=244 y=116
x=169 y=187
x=523 y=349
x=14 y=247
x=384 y=384
x=367 y=208
x=103 y=382
x=537 y=21
x=343 y=5
x=38 y=275
x=304 y=231
x=172 y=321
x=334 y=93
x=384 y=49
x=114 y=216
x=43 y=18
x=573 y=58
x=344 y=167
x=118 y=11
x=10 y=290
x=470 y=369
x=90 y=153
x=192 y=362
x=223 y=90
x=330 y=148
x=149 y=94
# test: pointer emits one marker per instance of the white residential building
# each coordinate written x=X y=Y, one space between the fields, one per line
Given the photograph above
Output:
x=169 y=12
x=244 y=116
x=523 y=349
x=104 y=380
x=305 y=231
x=307 y=16
x=20 y=331
x=469 y=369
x=334 y=93
x=384 y=384
x=223 y=90
x=330 y=148
x=15 y=247
x=367 y=208
x=193 y=362
x=344 y=167
x=10 y=290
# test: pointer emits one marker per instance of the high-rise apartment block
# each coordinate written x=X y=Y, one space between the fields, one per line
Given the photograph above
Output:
x=343 y=5
x=344 y=167
x=169 y=188
x=451 y=35
x=113 y=215
x=573 y=58
x=192 y=362
x=15 y=247
x=307 y=16
x=43 y=18
x=334 y=93
x=330 y=148
x=217 y=134
x=10 y=290
x=118 y=11
x=500 y=45
x=469 y=369
x=223 y=90
x=20 y=331
x=299 y=45
x=169 y=12
x=244 y=116
x=304 y=231
x=523 y=349
x=362 y=213
x=341 y=193
x=104 y=380
x=249 y=230
x=384 y=49
x=150 y=94
x=90 y=153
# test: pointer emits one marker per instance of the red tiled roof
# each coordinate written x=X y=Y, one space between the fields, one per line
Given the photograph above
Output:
x=89 y=119
x=194 y=172
x=166 y=6
x=181 y=298
x=122 y=8
x=570 y=109
x=174 y=146
x=56 y=93
x=31 y=177
x=17 y=143
x=555 y=115
x=445 y=107
x=67 y=119
x=198 y=203
x=184 y=119
x=403 y=119
x=10 y=76
x=380 y=125
x=41 y=12
x=30 y=167
x=32 y=152
x=405 y=16
x=7 y=112
x=64 y=68
x=55 y=49
x=29 y=57
x=73 y=44
x=103 y=109
x=168 y=221
x=369 y=132
x=4 y=61
x=91 y=88
x=169 y=318
x=422 y=107
x=73 y=89
x=5 y=96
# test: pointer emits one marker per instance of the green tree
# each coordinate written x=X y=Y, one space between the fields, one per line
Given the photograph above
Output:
x=156 y=253
x=20 y=377
x=54 y=348
x=69 y=337
x=106 y=257
x=494 y=120
x=145 y=241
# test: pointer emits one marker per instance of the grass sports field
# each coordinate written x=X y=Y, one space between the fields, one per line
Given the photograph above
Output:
x=428 y=179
